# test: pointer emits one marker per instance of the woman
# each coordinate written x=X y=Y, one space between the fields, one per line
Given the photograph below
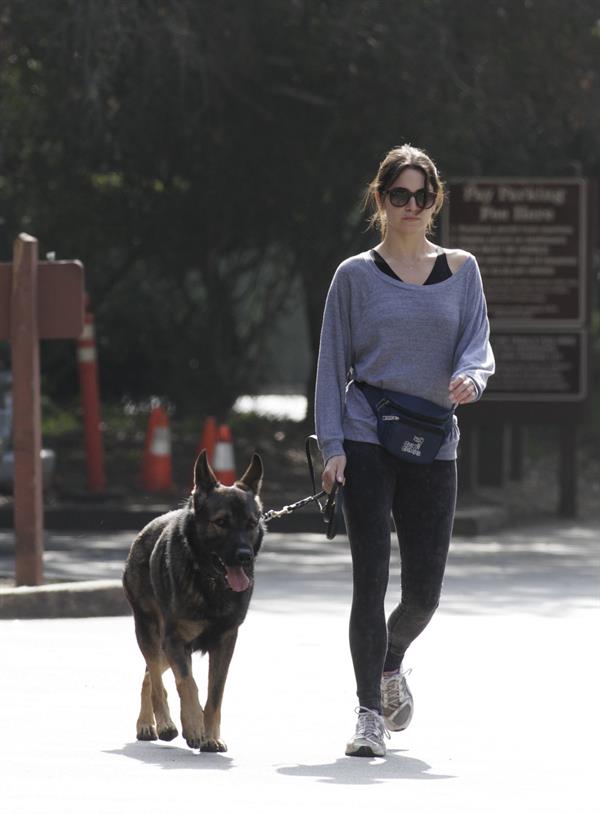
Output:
x=410 y=317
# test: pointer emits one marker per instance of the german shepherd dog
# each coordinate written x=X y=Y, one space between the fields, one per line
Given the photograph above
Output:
x=189 y=579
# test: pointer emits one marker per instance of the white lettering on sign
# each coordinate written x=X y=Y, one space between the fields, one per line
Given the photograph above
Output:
x=493 y=214
x=531 y=213
x=532 y=194
x=474 y=193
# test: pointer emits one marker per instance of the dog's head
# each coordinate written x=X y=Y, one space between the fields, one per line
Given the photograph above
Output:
x=228 y=519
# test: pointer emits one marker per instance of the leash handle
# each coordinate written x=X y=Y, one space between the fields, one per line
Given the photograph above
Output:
x=333 y=507
x=311 y=467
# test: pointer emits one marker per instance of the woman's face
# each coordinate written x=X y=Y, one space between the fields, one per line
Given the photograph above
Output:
x=410 y=217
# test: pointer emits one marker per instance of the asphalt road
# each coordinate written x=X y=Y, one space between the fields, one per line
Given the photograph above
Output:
x=505 y=683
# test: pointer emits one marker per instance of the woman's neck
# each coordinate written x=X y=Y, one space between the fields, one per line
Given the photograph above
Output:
x=408 y=246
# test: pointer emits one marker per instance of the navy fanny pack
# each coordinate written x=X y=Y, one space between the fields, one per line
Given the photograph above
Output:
x=411 y=428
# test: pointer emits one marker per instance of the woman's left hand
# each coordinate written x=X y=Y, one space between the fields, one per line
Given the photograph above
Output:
x=462 y=389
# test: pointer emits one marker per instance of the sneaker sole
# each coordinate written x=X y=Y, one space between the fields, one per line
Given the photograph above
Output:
x=363 y=751
x=393 y=726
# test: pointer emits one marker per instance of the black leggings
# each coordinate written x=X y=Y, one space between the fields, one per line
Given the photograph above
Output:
x=422 y=499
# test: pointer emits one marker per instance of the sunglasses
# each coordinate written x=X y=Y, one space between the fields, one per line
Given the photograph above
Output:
x=400 y=196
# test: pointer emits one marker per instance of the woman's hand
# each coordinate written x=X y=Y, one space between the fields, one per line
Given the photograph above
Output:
x=333 y=472
x=462 y=389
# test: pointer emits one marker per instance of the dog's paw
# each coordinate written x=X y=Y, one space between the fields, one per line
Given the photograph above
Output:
x=193 y=739
x=146 y=732
x=168 y=733
x=213 y=745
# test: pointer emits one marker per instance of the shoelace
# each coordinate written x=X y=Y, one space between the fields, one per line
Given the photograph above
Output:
x=370 y=726
x=395 y=691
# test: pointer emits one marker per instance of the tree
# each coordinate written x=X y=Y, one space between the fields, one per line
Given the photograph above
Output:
x=133 y=146
x=201 y=156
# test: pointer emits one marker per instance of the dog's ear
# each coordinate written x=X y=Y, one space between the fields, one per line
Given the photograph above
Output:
x=204 y=478
x=252 y=477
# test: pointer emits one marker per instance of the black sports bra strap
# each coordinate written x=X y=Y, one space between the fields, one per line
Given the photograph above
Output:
x=439 y=272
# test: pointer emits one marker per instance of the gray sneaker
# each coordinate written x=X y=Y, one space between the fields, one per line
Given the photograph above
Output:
x=369 y=735
x=397 y=701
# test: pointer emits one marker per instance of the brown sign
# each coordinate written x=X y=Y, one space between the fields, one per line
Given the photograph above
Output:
x=533 y=366
x=529 y=236
x=60 y=299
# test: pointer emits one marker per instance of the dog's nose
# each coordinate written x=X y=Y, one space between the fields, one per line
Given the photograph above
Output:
x=244 y=555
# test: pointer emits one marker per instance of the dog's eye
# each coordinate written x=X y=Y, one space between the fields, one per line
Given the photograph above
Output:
x=222 y=522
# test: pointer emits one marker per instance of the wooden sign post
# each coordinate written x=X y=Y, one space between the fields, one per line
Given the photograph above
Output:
x=37 y=301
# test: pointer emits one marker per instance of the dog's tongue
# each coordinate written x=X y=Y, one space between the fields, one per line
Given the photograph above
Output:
x=237 y=578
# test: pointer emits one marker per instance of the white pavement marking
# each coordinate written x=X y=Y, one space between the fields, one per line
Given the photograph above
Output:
x=505 y=682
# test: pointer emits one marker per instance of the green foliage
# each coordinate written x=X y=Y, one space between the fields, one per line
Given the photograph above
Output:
x=58 y=419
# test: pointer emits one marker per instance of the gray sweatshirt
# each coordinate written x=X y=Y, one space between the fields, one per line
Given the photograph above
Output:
x=399 y=336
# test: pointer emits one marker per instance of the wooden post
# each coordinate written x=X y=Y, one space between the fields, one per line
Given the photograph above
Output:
x=493 y=454
x=467 y=461
x=517 y=433
x=567 y=471
x=37 y=301
x=27 y=435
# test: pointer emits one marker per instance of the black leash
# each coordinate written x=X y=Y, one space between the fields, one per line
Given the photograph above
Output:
x=331 y=510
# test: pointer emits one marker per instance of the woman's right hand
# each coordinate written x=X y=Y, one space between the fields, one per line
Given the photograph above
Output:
x=333 y=472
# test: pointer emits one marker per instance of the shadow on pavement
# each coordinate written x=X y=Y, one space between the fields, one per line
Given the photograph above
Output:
x=362 y=771
x=172 y=757
x=345 y=770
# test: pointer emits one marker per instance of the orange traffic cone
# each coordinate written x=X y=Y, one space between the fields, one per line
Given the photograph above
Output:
x=157 y=473
x=224 y=465
x=208 y=439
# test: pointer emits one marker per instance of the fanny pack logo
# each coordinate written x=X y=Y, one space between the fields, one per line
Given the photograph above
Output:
x=414 y=447
x=390 y=418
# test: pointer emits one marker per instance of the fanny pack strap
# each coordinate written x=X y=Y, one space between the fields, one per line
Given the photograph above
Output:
x=370 y=393
x=376 y=396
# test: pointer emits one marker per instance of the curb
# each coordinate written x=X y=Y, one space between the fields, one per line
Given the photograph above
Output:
x=468 y=521
x=101 y=597
x=91 y=517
